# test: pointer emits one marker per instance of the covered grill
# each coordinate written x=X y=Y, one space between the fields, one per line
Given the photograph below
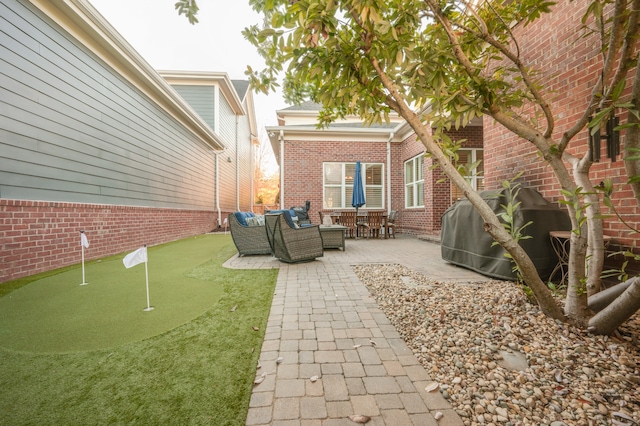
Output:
x=302 y=212
x=465 y=243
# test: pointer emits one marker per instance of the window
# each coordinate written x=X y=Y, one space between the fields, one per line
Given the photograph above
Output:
x=470 y=161
x=414 y=182
x=338 y=185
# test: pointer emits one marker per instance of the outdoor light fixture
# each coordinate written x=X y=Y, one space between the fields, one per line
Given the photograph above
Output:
x=613 y=140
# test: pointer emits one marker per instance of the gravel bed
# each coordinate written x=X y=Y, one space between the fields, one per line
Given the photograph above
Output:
x=498 y=360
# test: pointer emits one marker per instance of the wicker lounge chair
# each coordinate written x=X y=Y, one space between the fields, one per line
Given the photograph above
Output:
x=248 y=239
x=291 y=244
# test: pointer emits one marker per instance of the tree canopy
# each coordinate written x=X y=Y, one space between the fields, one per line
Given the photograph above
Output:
x=441 y=63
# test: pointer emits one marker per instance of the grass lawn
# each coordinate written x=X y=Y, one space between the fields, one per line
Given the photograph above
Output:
x=72 y=354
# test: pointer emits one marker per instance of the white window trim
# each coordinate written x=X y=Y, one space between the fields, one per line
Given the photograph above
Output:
x=413 y=186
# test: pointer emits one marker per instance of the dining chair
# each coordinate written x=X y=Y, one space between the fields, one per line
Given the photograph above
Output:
x=348 y=219
x=373 y=224
x=390 y=227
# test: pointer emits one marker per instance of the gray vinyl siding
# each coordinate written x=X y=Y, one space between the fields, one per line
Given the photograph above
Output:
x=228 y=132
x=72 y=130
x=201 y=99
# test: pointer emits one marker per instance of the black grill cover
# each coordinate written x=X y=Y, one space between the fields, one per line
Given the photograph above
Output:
x=465 y=243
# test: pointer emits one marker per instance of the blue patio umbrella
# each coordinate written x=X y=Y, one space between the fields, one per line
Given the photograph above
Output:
x=357 y=197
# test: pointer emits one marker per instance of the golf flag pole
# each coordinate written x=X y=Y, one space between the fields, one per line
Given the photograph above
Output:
x=135 y=258
x=146 y=273
x=84 y=242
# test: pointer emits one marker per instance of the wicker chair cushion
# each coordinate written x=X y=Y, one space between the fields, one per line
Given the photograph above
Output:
x=257 y=220
x=288 y=216
x=242 y=217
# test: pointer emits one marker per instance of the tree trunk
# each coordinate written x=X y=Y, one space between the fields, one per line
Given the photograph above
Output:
x=545 y=299
x=576 y=301
x=601 y=300
x=620 y=310
x=595 y=250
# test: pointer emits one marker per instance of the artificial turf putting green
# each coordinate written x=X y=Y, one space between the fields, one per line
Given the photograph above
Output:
x=199 y=372
x=56 y=314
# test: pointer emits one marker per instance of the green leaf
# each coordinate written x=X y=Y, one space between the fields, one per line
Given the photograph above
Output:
x=617 y=91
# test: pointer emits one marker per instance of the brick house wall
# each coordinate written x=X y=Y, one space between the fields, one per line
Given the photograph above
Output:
x=437 y=187
x=38 y=236
x=416 y=220
x=570 y=64
x=303 y=167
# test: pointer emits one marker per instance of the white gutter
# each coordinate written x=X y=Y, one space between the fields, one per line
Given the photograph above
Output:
x=281 y=137
x=391 y=135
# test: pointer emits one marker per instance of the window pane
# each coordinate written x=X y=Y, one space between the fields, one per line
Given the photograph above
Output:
x=374 y=198
x=419 y=168
x=349 y=172
x=408 y=172
x=420 y=194
x=348 y=195
x=409 y=196
x=333 y=173
x=332 y=197
x=373 y=174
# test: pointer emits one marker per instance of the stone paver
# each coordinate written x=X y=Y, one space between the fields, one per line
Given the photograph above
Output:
x=324 y=323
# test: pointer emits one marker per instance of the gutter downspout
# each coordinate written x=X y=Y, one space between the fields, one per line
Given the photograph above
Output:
x=252 y=167
x=281 y=138
x=237 y=167
x=217 y=187
x=391 y=135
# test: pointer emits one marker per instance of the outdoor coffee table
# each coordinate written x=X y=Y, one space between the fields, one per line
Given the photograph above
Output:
x=332 y=236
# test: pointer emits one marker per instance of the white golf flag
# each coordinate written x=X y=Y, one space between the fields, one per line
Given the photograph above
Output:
x=135 y=258
x=84 y=242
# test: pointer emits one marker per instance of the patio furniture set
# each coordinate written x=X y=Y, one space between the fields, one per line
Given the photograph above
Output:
x=282 y=234
x=372 y=223
x=292 y=239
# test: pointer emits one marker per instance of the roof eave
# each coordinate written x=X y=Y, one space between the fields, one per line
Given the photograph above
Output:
x=85 y=24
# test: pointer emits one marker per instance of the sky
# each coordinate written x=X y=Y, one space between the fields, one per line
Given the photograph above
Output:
x=167 y=41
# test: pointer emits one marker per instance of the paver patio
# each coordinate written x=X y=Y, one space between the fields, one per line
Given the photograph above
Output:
x=325 y=323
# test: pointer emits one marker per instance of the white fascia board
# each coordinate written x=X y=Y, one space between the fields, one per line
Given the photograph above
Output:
x=334 y=134
x=80 y=19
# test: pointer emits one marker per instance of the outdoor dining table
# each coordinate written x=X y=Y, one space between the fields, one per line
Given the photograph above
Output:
x=362 y=216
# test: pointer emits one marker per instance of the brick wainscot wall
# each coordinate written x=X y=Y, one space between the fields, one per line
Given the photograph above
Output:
x=37 y=236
